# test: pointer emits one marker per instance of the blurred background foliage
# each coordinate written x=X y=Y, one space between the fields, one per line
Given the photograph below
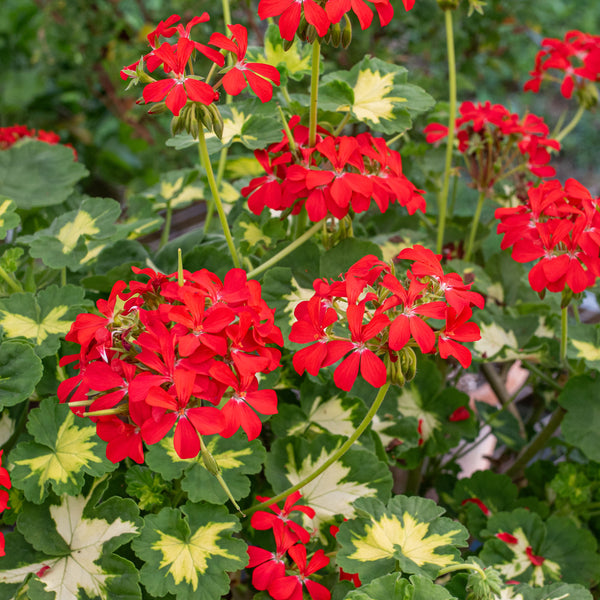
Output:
x=60 y=62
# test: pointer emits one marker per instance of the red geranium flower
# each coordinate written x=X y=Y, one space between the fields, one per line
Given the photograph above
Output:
x=260 y=76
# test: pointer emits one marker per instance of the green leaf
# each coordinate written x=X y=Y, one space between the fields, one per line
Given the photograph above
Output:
x=148 y=487
x=66 y=242
x=74 y=540
x=42 y=318
x=65 y=448
x=9 y=219
x=357 y=474
x=584 y=343
x=378 y=95
x=35 y=174
x=568 y=553
x=236 y=456
x=409 y=532
x=20 y=371
x=189 y=555
x=496 y=491
x=295 y=62
x=336 y=261
x=555 y=591
x=581 y=423
x=395 y=587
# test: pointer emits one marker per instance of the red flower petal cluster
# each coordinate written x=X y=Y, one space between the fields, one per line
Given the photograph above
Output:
x=11 y=135
x=5 y=483
x=560 y=228
x=163 y=356
x=577 y=56
x=334 y=176
x=321 y=15
x=290 y=538
x=383 y=316
x=496 y=142
x=182 y=84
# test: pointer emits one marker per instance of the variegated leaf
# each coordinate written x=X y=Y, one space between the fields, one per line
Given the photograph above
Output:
x=188 y=552
x=408 y=532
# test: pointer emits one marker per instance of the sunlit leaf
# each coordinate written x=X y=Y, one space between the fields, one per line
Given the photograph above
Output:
x=409 y=532
x=65 y=448
x=189 y=554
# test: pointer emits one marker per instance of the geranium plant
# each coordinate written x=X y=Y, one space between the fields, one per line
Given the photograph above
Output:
x=276 y=405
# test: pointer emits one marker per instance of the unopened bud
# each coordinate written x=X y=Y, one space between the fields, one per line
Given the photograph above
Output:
x=408 y=362
x=336 y=35
x=394 y=370
x=177 y=125
x=347 y=33
x=287 y=44
x=217 y=120
x=587 y=96
x=311 y=34
x=157 y=109
x=210 y=463
x=302 y=27
x=204 y=116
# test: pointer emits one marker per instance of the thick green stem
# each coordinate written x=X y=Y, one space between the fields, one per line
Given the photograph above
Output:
x=537 y=443
x=166 y=232
x=564 y=325
x=210 y=208
x=287 y=250
x=212 y=184
x=13 y=284
x=314 y=93
x=468 y=566
x=335 y=457
x=571 y=125
x=474 y=225
x=443 y=198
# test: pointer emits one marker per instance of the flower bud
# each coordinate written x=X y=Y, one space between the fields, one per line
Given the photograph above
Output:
x=336 y=35
x=210 y=463
x=204 y=116
x=347 y=33
x=302 y=27
x=394 y=370
x=587 y=96
x=311 y=34
x=408 y=362
x=287 y=44
x=157 y=108
x=217 y=120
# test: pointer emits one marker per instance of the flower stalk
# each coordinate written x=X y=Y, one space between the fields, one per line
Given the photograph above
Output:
x=333 y=458
x=443 y=198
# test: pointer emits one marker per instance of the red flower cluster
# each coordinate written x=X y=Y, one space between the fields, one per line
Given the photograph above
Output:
x=577 y=56
x=164 y=355
x=11 y=135
x=182 y=85
x=334 y=176
x=321 y=16
x=6 y=483
x=290 y=538
x=384 y=317
x=496 y=142
x=560 y=228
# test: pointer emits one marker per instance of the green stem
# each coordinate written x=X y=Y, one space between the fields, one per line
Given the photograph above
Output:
x=166 y=232
x=571 y=125
x=314 y=93
x=301 y=220
x=212 y=184
x=332 y=459
x=463 y=566
x=443 y=198
x=564 y=325
x=63 y=276
x=226 y=15
x=287 y=250
x=537 y=443
x=343 y=124
x=13 y=284
x=531 y=367
x=474 y=226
